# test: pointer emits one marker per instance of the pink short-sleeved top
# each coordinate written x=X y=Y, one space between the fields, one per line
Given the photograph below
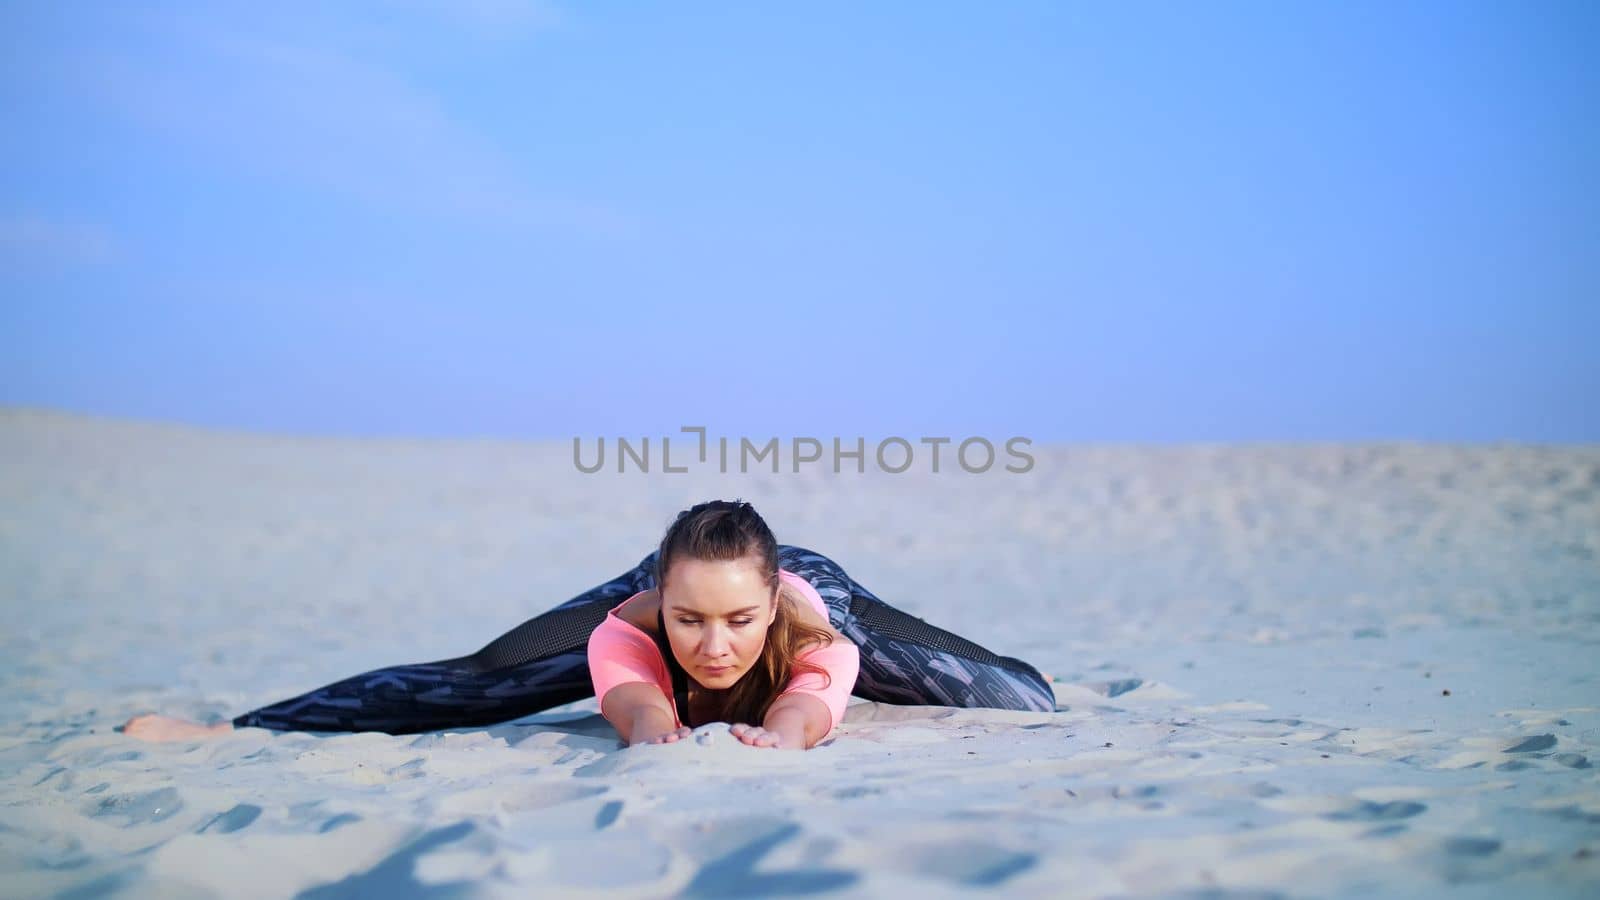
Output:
x=619 y=653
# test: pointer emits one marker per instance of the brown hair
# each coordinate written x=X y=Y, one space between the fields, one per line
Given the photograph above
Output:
x=723 y=530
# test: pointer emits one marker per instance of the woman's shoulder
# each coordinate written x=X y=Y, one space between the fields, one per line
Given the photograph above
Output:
x=640 y=610
x=808 y=604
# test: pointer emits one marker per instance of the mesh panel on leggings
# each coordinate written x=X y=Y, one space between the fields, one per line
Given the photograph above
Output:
x=557 y=631
x=882 y=619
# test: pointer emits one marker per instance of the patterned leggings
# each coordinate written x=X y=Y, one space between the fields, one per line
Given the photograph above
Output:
x=543 y=663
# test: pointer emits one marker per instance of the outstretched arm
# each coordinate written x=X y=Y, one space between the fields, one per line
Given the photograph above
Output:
x=814 y=703
x=640 y=714
x=801 y=720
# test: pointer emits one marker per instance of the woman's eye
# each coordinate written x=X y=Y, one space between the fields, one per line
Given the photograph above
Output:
x=741 y=622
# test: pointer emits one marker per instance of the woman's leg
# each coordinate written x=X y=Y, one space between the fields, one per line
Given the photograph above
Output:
x=904 y=660
x=540 y=664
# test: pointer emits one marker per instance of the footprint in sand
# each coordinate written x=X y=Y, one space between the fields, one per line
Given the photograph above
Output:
x=967 y=863
x=137 y=809
x=739 y=846
x=1378 y=812
x=1471 y=846
x=1532 y=744
x=338 y=821
x=607 y=814
x=232 y=820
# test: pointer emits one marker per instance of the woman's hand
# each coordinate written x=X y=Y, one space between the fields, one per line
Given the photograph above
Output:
x=152 y=727
x=756 y=736
x=676 y=734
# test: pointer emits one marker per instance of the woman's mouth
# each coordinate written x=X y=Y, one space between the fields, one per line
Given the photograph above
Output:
x=716 y=670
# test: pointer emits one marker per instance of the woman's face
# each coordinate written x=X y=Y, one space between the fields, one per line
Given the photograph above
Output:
x=716 y=613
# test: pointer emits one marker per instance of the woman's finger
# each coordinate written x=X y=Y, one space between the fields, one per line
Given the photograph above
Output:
x=670 y=736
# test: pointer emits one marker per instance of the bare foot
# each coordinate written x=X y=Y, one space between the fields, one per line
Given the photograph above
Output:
x=152 y=727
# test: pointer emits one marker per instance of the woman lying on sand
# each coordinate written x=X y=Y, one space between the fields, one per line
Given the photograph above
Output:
x=720 y=624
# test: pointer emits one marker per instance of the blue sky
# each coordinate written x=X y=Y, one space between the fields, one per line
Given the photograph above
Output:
x=1116 y=222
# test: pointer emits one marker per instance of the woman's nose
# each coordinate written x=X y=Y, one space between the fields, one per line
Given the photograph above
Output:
x=715 y=643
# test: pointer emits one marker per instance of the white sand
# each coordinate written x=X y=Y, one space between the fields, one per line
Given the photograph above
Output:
x=1253 y=644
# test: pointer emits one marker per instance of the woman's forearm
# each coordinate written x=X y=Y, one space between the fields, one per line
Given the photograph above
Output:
x=790 y=725
x=648 y=722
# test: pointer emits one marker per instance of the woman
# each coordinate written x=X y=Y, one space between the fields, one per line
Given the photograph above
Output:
x=706 y=628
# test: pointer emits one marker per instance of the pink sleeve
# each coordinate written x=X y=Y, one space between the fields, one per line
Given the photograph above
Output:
x=842 y=661
x=620 y=653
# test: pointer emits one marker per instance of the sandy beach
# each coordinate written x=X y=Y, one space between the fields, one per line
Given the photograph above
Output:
x=1282 y=670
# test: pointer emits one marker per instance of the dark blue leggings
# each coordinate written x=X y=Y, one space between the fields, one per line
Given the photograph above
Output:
x=543 y=663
